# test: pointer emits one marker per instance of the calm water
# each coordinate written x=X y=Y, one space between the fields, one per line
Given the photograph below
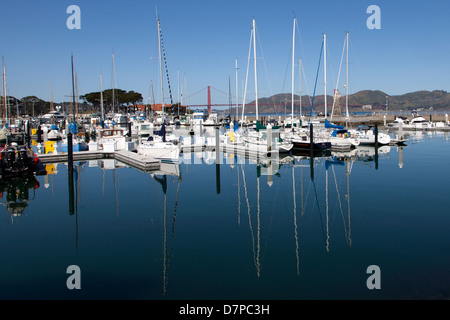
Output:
x=234 y=232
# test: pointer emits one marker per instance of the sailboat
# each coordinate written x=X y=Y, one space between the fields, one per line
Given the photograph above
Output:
x=260 y=141
x=78 y=144
x=301 y=138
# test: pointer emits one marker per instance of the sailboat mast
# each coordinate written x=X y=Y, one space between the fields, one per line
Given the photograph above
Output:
x=254 y=62
x=101 y=99
x=237 y=96
x=113 y=84
x=325 y=71
x=76 y=95
x=300 y=83
x=51 y=99
x=4 y=90
x=346 y=86
x=229 y=92
x=293 y=56
x=160 y=63
x=73 y=91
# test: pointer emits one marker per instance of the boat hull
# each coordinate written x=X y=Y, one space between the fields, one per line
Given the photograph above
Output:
x=306 y=145
x=76 y=147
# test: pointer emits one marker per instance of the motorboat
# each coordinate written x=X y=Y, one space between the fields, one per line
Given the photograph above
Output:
x=16 y=158
x=366 y=136
x=157 y=147
x=211 y=120
x=113 y=139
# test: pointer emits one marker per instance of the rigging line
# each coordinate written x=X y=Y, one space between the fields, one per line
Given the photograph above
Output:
x=165 y=63
x=315 y=85
x=191 y=95
x=172 y=239
x=246 y=76
x=339 y=200
x=298 y=34
x=265 y=69
x=337 y=83
x=320 y=213
x=249 y=218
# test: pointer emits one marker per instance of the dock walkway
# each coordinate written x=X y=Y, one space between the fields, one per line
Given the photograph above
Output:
x=132 y=159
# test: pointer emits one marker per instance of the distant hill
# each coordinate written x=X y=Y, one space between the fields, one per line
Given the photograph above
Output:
x=280 y=103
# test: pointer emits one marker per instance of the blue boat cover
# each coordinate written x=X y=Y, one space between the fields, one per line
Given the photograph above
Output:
x=330 y=125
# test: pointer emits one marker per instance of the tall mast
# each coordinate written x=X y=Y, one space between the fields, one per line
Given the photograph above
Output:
x=186 y=93
x=256 y=76
x=346 y=86
x=292 y=96
x=73 y=91
x=76 y=94
x=237 y=96
x=51 y=99
x=229 y=92
x=4 y=90
x=160 y=61
x=300 y=81
x=101 y=98
x=113 y=83
x=325 y=70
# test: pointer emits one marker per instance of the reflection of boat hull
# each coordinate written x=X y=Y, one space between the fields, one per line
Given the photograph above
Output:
x=307 y=153
x=306 y=145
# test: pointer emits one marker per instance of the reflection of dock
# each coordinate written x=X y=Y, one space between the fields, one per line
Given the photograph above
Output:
x=132 y=159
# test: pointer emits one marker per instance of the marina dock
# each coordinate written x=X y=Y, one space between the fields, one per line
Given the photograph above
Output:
x=132 y=159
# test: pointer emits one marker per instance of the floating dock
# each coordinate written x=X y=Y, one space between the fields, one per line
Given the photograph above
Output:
x=132 y=159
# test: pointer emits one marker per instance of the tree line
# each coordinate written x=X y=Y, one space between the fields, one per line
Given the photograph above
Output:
x=32 y=105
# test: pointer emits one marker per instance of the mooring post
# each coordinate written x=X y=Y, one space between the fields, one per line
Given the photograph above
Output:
x=39 y=134
x=217 y=161
x=70 y=172
x=376 y=135
x=269 y=138
x=28 y=134
x=70 y=152
x=311 y=139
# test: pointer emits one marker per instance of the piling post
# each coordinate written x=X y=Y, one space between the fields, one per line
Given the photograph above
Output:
x=217 y=161
x=217 y=145
x=27 y=123
x=376 y=135
x=400 y=131
x=269 y=138
x=70 y=172
x=311 y=140
x=39 y=134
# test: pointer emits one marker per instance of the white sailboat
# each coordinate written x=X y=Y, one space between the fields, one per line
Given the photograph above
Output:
x=261 y=140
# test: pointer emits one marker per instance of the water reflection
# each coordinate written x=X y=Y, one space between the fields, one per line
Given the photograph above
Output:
x=15 y=194
x=296 y=190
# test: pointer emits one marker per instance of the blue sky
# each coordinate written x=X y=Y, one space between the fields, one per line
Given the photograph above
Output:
x=203 y=38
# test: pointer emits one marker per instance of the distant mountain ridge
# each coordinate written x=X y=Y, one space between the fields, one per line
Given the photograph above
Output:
x=362 y=100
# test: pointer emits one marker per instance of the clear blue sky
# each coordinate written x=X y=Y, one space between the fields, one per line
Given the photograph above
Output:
x=203 y=38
